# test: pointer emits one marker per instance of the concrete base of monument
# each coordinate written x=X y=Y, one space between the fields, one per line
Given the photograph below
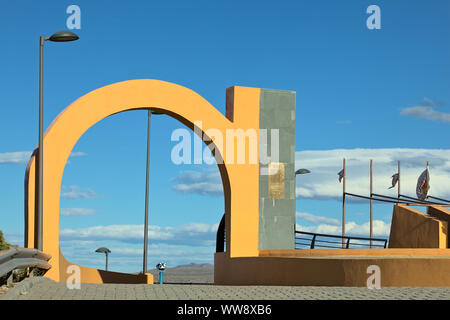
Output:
x=336 y=267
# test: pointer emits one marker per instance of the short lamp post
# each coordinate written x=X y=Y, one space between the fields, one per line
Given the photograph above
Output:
x=61 y=36
x=106 y=251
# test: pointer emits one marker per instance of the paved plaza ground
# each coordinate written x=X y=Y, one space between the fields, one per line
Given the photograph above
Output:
x=45 y=289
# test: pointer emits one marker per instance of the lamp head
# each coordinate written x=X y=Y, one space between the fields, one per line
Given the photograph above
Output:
x=302 y=171
x=63 y=36
x=103 y=250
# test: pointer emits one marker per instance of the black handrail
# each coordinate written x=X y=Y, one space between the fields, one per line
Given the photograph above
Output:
x=372 y=198
x=440 y=199
x=430 y=197
x=316 y=243
x=412 y=200
x=378 y=198
x=382 y=198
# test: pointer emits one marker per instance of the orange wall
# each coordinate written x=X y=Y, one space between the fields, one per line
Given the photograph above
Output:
x=442 y=214
x=338 y=267
x=411 y=228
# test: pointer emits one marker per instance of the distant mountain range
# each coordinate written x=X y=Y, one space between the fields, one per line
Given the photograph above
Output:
x=195 y=265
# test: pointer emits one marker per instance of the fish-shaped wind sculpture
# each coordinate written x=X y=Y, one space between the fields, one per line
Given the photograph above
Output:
x=423 y=185
x=341 y=175
x=394 y=180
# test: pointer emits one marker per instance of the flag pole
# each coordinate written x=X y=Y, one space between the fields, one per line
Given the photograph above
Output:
x=371 y=205
x=428 y=168
x=398 y=190
x=343 y=206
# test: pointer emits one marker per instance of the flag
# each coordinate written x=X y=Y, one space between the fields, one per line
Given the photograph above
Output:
x=341 y=175
x=394 y=180
x=423 y=185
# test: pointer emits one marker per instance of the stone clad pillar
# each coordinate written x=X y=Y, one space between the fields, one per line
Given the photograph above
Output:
x=277 y=176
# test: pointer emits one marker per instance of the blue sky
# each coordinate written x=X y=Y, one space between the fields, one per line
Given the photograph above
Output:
x=380 y=94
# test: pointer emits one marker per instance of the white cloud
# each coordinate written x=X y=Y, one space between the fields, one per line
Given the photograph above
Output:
x=427 y=102
x=75 y=192
x=316 y=219
x=380 y=228
x=427 y=113
x=172 y=251
x=426 y=109
x=78 y=154
x=322 y=182
x=205 y=182
x=76 y=212
x=21 y=157
x=202 y=188
x=194 y=234
x=15 y=157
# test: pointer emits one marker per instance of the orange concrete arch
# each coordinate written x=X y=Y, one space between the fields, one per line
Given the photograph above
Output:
x=241 y=205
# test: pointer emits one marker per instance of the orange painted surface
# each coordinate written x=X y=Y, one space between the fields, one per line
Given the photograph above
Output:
x=29 y=203
x=298 y=253
x=91 y=275
x=411 y=228
x=322 y=267
x=443 y=214
x=176 y=101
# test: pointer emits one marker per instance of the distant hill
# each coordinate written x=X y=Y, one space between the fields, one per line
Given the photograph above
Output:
x=188 y=273
x=194 y=265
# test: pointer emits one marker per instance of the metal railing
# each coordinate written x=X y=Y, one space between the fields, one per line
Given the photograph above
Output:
x=313 y=240
x=408 y=201
x=22 y=258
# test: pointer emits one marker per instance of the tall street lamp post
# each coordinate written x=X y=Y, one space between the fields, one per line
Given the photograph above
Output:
x=61 y=36
x=144 y=267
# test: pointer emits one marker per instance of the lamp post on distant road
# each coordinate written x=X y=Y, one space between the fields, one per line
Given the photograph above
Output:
x=61 y=36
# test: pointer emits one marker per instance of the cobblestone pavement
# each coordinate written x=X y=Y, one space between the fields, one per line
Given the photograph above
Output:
x=45 y=289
